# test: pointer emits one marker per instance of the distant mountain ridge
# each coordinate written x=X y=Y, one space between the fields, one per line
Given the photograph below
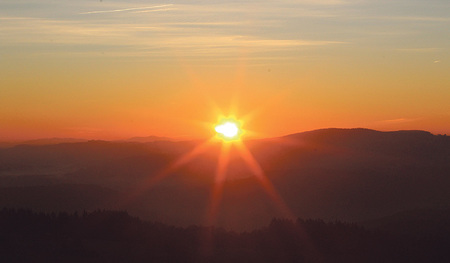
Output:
x=313 y=134
x=58 y=140
x=145 y=139
x=345 y=174
x=43 y=141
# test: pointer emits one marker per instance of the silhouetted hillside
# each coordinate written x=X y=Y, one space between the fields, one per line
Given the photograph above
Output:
x=59 y=197
x=108 y=236
x=149 y=139
x=421 y=222
x=66 y=157
x=44 y=141
x=344 y=174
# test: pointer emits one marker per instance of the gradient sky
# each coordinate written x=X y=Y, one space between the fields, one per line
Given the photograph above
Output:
x=115 y=69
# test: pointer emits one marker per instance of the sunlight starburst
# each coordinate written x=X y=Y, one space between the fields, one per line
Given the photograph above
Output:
x=228 y=132
x=228 y=129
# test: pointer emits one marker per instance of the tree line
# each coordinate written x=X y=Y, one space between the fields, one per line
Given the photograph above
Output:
x=115 y=236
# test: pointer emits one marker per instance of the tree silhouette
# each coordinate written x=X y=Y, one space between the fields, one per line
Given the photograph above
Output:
x=114 y=236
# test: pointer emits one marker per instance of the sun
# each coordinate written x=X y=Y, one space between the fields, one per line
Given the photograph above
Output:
x=228 y=129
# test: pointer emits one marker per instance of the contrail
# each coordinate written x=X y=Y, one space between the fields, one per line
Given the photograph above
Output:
x=154 y=10
x=126 y=9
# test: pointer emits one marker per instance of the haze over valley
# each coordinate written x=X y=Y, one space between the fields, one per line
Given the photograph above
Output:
x=352 y=175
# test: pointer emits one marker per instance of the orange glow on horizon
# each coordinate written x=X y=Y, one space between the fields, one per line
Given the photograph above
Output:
x=229 y=132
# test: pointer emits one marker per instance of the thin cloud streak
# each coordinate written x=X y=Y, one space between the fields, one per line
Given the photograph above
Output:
x=419 y=50
x=154 y=10
x=400 y=18
x=172 y=38
x=208 y=28
x=420 y=18
x=125 y=9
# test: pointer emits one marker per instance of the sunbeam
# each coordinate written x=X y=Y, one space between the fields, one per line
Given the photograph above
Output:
x=268 y=187
x=229 y=130
x=219 y=180
x=151 y=181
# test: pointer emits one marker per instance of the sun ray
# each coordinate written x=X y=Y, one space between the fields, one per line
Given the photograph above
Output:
x=207 y=241
x=268 y=187
x=219 y=180
x=258 y=172
x=184 y=159
x=151 y=181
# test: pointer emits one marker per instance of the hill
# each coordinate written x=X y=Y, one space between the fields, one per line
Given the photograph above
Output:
x=344 y=174
x=115 y=236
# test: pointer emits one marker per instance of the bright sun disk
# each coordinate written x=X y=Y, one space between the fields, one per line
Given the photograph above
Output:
x=228 y=129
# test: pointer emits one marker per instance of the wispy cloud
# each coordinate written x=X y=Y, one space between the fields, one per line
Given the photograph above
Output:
x=229 y=43
x=418 y=18
x=200 y=32
x=142 y=9
x=419 y=50
x=155 y=10
x=221 y=26
x=399 y=18
x=317 y=2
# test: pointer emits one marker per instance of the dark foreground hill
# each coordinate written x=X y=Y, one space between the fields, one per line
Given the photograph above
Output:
x=108 y=236
x=344 y=174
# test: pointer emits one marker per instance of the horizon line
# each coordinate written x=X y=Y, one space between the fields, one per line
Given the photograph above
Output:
x=193 y=138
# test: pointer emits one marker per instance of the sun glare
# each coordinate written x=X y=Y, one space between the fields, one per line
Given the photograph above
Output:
x=228 y=129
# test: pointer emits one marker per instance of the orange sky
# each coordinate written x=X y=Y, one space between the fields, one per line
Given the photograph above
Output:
x=112 y=71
